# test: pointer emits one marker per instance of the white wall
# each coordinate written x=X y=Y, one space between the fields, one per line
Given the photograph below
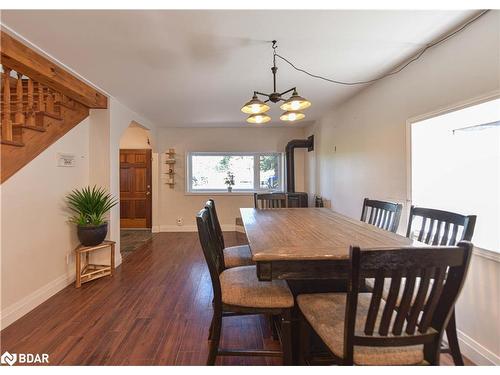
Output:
x=36 y=235
x=176 y=203
x=369 y=135
x=135 y=137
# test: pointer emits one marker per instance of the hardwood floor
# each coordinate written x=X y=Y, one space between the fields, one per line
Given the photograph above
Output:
x=155 y=310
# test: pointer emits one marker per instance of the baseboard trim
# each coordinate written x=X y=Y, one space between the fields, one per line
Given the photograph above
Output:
x=477 y=353
x=22 y=307
x=15 y=311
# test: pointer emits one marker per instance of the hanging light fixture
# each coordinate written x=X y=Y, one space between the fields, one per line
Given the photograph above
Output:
x=292 y=106
x=292 y=116
x=295 y=103
x=259 y=118
x=255 y=106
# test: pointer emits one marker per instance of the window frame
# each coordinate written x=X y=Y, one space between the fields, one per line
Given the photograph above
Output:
x=484 y=253
x=256 y=171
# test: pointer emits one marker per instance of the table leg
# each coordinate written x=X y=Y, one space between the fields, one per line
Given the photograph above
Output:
x=112 y=259
x=287 y=338
x=78 y=270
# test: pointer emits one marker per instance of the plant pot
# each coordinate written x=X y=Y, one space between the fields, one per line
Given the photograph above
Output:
x=229 y=189
x=92 y=235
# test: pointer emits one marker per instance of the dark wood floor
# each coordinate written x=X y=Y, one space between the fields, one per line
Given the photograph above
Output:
x=155 y=310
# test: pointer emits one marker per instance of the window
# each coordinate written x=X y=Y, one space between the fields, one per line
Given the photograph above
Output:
x=259 y=171
x=455 y=164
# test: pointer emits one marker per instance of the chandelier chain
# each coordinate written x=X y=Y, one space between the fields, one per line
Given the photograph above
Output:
x=411 y=60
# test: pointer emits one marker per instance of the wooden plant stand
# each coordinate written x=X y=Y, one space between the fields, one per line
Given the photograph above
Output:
x=93 y=271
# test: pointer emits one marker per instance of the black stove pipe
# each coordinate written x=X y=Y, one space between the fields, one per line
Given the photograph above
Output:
x=289 y=159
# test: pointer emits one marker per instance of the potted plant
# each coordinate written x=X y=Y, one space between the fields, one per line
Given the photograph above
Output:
x=90 y=206
x=229 y=181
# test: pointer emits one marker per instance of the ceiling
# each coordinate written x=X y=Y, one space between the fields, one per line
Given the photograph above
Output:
x=197 y=68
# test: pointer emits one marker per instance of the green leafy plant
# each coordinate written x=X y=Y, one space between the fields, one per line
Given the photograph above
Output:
x=90 y=205
x=229 y=180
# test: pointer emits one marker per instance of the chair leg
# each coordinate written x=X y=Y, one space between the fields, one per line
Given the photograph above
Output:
x=451 y=334
x=211 y=328
x=215 y=337
x=274 y=330
x=286 y=338
x=304 y=342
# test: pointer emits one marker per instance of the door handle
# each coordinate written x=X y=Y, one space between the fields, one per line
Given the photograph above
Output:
x=148 y=192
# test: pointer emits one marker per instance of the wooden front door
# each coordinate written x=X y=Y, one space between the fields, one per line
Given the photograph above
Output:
x=135 y=188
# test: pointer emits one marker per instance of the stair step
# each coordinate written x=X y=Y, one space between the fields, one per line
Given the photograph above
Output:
x=65 y=104
x=30 y=127
x=55 y=116
x=13 y=143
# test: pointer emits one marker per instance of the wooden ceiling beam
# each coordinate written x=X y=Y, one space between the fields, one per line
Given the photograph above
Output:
x=23 y=59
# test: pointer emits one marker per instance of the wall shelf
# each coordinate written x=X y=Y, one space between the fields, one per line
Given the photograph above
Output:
x=170 y=173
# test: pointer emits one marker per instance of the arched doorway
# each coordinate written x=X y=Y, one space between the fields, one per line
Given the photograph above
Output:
x=136 y=188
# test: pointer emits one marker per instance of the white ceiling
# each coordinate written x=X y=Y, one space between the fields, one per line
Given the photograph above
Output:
x=197 y=68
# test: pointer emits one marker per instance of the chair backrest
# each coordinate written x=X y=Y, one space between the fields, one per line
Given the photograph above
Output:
x=210 y=205
x=440 y=227
x=213 y=256
x=270 y=200
x=430 y=280
x=384 y=215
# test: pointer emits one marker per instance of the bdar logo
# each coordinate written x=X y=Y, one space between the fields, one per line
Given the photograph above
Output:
x=8 y=359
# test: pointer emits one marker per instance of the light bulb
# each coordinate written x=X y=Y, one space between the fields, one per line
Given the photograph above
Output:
x=292 y=117
x=255 y=108
x=295 y=105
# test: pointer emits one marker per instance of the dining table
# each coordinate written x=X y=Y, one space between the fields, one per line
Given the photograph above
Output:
x=309 y=248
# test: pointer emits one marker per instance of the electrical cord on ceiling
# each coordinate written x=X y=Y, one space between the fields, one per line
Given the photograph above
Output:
x=414 y=58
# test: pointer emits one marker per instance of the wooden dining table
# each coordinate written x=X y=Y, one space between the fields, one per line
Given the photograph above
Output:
x=309 y=243
x=309 y=248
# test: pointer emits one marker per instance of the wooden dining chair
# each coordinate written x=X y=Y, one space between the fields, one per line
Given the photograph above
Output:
x=364 y=329
x=270 y=200
x=384 y=215
x=437 y=227
x=234 y=256
x=237 y=291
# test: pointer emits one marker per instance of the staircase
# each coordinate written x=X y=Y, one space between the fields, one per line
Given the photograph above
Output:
x=40 y=102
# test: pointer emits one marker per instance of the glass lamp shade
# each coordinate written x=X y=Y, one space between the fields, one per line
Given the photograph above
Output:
x=255 y=106
x=292 y=116
x=259 y=118
x=295 y=103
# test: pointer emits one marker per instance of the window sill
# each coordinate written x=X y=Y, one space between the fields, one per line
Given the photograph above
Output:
x=238 y=193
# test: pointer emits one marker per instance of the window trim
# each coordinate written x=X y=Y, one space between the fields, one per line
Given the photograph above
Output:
x=256 y=170
x=484 y=253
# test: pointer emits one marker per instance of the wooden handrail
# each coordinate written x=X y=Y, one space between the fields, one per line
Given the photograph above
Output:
x=21 y=58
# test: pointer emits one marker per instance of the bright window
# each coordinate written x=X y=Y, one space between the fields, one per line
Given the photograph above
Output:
x=208 y=171
x=456 y=167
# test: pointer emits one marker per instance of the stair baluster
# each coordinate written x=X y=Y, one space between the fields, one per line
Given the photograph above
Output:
x=49 y=101
x=19 y=116
x=40 y=103
x=6 y=120
x=30 y=110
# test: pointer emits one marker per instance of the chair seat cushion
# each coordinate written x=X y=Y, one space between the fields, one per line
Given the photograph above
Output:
x=325 y=312
x=237 y=256
x=240 y=287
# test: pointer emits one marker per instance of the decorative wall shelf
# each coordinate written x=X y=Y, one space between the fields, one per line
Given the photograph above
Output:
x=170 y=162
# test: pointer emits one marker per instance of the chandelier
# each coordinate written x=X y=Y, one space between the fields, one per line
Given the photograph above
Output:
x=292 y=107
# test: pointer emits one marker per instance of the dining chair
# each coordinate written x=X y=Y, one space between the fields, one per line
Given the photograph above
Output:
x=234 y=256
x=384 y=215
x=237 y=291
x=364 y=329
x=437 y=227
x=270 y=200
